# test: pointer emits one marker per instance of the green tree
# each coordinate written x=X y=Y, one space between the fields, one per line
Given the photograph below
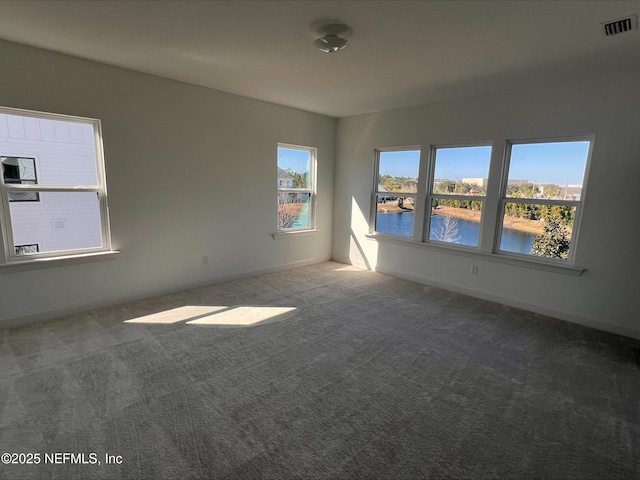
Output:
x=463 y=188
x=476 y=205
x=553 y=242
x=552 y=191
x=384 y=179
x=560 y=213
x=445 y=186
x=299 y=179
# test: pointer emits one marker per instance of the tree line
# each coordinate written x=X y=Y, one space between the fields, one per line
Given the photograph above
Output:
x=553 y=242
x=300 y=180
x=398 y=184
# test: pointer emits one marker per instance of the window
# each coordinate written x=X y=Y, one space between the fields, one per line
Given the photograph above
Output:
x=52 y=189
x=18 y=170
x=27 y=249
x=296 y=188
x=541 y=197
x=457 y=192
x=395 y=190
x=532 y=212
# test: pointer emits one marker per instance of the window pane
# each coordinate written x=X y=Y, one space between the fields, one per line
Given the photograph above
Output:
x=26 y=249
x=60 y=221
x=547 y=170
x=455 y=221
x=294 y=168
x=538 y=230
x=398 y=171
x=394 y=215
x=65 y=151
x=461 y=170
x=20 y=171
x=294 y=210
x=24 y=197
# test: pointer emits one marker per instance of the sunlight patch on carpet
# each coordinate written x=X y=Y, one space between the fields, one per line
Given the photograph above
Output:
x=217 y=315
x=350 y=268
x=176 y=315
x=244 y=316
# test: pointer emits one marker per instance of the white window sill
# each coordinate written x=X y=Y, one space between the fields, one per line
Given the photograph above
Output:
x=37 y=263
x=309 y=231
x=490 y=257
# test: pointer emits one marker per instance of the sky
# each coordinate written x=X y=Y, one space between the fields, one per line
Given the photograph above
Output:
x=562 y=163
x=294 y=159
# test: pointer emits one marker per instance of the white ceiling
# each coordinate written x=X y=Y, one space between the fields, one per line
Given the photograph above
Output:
x=400 y=53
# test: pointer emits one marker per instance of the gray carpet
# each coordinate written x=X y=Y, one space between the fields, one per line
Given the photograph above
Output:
x=359 y=375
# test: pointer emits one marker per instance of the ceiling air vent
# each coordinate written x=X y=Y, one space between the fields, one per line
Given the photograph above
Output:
x=620 y=26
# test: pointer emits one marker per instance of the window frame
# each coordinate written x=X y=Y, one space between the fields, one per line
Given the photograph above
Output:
x=311 y=190
x=493 y=205
x=577 y=204
x=430 y=196
x=8 y=254
x=376 y=192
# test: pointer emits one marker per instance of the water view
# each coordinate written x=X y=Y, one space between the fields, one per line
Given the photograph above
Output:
x=468 y=231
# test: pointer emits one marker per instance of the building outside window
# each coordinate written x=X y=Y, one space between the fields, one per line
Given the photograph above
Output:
x=26 y=249
x=20 y=171
x=52 y=189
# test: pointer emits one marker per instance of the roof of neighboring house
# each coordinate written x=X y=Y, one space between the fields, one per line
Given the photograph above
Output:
x=284 y=174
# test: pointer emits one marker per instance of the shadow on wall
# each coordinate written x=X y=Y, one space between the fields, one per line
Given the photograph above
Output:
x=363 y=256
x=360 y=222
x=355 y=156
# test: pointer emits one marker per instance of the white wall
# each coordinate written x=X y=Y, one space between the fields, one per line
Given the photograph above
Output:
x=190 y=172
x=605 y=295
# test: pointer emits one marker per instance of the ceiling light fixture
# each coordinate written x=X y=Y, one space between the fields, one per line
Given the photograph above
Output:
x=331 y=41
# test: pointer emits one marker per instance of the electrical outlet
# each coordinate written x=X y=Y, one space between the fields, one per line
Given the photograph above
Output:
x=205 y=260
x=474 y=269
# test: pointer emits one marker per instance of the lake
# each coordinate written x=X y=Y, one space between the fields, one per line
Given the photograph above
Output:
x=402 y=224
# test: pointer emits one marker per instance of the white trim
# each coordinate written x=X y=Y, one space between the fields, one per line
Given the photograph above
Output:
x=57 y=312
x=31 y=263
x=583 y=320
x=537 y=263
x=51 y=188
x=296 y=233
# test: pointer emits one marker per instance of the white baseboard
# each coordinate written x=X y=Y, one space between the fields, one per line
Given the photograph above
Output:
x=349 y=261
x=51 y=314
x=586 y=321
x=81 y=307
